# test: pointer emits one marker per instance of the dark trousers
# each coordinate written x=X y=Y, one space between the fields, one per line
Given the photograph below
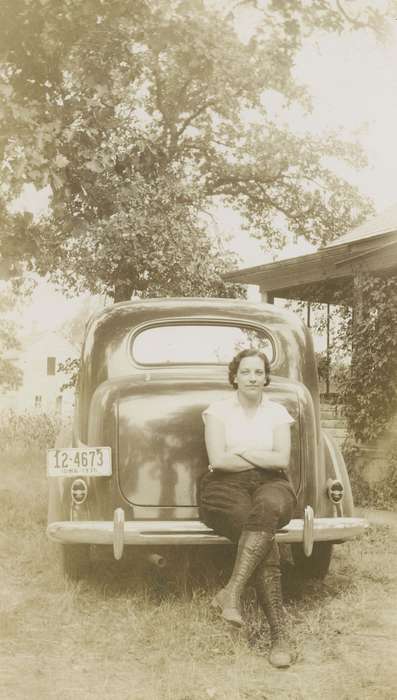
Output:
x=256 y=499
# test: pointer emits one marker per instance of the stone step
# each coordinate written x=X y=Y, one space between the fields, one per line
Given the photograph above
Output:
x=331 y=423
x=327 y=416
x=332 y=416
x=340 y=437
x=337 y=432
x=331 y=411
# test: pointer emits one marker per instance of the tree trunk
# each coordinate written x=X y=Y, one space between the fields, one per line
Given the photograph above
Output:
x=123 y=291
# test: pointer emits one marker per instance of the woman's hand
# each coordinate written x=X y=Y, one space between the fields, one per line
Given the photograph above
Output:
x=278 y=457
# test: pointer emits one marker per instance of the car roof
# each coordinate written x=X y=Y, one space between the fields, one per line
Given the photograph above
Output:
x=140 y=310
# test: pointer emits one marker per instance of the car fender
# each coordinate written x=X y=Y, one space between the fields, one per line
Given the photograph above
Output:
x=335 y=467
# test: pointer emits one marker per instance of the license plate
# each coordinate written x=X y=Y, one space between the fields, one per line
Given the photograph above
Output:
x=79 y=461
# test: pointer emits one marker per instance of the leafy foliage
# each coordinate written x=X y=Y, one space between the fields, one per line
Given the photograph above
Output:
x=143 y=116
x=367 y=387
x=28 y=430
x=323 y=363
x=10 y=373
x=71 y=368
x=370 y=392
x=380 y=494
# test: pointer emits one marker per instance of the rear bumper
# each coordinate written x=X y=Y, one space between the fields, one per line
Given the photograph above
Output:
x=188 y=532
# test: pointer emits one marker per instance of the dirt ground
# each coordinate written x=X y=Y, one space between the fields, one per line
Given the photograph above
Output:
x=129 y=633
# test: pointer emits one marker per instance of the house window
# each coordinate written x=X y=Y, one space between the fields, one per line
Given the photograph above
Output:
x=51 y=365
x=37 y=402
x=58 y=404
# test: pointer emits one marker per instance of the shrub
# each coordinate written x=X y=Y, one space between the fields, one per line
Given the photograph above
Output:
x=380 y=494
x=33 y=431
x=370 y=390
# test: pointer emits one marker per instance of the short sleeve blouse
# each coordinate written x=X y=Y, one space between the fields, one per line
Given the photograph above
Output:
x=242 y=431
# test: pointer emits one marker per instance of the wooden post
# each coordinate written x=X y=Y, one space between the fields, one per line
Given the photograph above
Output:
x=358 y=302
x=308 y=319
x=327 y=384
x=358 y=314
x=266 y=296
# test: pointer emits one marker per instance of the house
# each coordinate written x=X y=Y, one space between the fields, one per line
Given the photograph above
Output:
x=331 y=275
x=39 y=358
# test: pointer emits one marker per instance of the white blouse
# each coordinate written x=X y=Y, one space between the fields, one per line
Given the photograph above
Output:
x=242 y=431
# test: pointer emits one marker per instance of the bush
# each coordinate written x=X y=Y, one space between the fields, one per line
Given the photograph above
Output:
x=383 y=493
x=28 y=431
x=370 y=392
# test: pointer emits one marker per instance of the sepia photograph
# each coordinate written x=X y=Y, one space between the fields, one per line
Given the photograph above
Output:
x=198 y=349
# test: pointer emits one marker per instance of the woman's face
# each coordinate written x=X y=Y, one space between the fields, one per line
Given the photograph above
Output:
x=251 y=376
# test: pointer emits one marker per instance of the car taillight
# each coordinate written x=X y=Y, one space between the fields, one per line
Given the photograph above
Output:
x=335 y=490
x=79 y=491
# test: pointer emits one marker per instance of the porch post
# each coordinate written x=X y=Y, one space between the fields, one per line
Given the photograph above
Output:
x=266 y=296
x=358 y=302
x=358 y=315
x=327 y=383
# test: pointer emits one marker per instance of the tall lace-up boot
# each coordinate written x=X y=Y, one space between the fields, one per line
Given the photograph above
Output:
x=268 y=587
x=252 y=548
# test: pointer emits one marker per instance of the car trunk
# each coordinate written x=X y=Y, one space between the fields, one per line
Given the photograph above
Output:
x=161 y=452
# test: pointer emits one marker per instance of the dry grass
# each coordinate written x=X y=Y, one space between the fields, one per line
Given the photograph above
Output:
x=132 y=633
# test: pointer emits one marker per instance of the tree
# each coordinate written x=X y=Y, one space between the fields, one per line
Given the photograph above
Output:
x=10 y=373
x=136 y=115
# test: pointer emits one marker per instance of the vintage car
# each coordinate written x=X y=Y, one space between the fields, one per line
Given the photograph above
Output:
x=128 y=473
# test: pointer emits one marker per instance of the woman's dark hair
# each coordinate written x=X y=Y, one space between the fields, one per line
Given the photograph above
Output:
x=235 y=364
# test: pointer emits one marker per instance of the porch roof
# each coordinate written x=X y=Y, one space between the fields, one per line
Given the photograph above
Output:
x=327 y=275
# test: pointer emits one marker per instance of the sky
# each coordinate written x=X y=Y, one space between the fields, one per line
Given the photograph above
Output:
x=353 y=83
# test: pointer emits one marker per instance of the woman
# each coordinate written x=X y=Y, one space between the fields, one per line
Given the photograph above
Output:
x=246 y=495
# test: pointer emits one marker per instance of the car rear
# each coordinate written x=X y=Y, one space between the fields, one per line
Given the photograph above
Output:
x=148 y=372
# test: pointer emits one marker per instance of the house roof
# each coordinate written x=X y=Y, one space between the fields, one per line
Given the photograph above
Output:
x=328 y=274
x=383 y=223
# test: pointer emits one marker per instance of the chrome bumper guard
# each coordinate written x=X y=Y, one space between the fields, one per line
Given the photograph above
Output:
x=186 y=532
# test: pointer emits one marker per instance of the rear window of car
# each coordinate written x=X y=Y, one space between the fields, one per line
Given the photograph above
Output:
x=200 y=343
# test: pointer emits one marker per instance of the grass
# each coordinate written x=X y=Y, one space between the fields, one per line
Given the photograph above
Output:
x=136 y=633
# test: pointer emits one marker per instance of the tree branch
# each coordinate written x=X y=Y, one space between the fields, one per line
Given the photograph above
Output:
x=284 y=210
x=353 y=20
x=193 y=116
x=241 y=179
x=159 y=93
